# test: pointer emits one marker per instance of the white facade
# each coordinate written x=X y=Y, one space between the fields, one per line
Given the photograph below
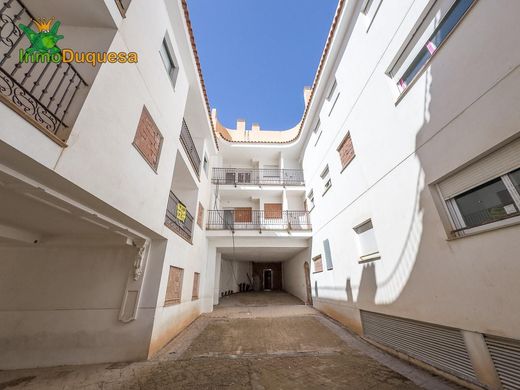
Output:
x=86 y=255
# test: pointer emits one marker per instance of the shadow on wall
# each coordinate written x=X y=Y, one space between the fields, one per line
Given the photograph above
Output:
x=430 y=278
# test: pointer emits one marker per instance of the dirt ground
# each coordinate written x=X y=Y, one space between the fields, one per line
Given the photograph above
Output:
x=251 y=341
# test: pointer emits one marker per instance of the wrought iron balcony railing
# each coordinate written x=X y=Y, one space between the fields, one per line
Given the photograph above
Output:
x=245 y=176
x=189 y=147
x=41 y=92
x=178 y=218
x=247 y=219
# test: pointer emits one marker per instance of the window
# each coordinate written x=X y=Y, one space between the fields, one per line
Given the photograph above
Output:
x=328 y=255
x=346 y=151
x=490 y=202
x=174 y=287
x=325 y=175
x=332 y=90
x=166 y=52
x=272 y=210
x=318 y=264
x=317 y=127
x=370 y=9
x=148 y=139
x=200 y=216
x=452 y=18
x=366 y=240
x=310 y=197
x=196 y=282
x=205 y=164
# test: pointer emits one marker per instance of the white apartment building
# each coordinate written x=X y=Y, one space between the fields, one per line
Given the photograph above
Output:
x=127 y=209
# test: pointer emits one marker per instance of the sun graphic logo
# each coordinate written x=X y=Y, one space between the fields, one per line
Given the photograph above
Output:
x=44 y=41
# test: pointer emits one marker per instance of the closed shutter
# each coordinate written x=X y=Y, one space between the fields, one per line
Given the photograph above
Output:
x=244 y=214
x=174 y=287
x=318 y=264
x=273 y=211
x=506 y=357
x=328 y=256
x=494 y=165
x=200 y=215
x=346 y=151
x=196 y=282
x=436 y=345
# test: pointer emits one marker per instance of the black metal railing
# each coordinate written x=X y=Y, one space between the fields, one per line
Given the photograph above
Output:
x=241 y=176
x=178 y=221
x=42 y=92
x=247 y=219
x=189 y=147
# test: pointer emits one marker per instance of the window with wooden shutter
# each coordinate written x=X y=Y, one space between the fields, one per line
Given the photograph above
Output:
x=148 y=139
x=196 y=281
x=273 y=211
x=244 y=214
x=200 y=216
x=346 y=151
x=318 y=264
x=174 y=288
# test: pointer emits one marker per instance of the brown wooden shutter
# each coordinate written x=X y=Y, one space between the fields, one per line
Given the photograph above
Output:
x=273 y=211
x=318 y=264
x=244 y=214
x=200 y=216
x=174 y=288
x=346 y=151
x=148 y=139
x=196 y=281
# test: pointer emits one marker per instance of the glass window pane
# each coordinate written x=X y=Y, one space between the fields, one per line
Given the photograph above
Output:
x=488 y=203
x=166 y=58
x=515 y=178
x=423 y=56
x=450 y=21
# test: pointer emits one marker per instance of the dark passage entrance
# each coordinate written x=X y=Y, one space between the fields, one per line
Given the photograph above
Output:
x=268 y=279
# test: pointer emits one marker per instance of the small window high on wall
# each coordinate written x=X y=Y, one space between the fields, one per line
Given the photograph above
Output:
x=366 y=240
x=168 y=58
x=431 y=33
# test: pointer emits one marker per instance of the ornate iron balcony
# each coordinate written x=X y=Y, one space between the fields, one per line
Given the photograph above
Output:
x=245 y=176
x=178 y=218
x=189 y=147
x=248 y=219
x=42 y=93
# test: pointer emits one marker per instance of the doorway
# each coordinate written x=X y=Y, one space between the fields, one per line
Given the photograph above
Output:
x=307 y=272
x=268 y=279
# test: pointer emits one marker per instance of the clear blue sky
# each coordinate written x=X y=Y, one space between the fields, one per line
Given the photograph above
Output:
x=257 y=55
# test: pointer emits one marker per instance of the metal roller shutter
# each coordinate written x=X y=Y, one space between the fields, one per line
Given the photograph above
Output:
x=506 y=357
x=496 y=164
x=441 y=347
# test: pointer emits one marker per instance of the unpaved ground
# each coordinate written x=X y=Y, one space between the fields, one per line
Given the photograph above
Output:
x=251 y=341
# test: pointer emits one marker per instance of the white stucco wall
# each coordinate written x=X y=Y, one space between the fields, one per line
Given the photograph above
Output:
x=294 y=275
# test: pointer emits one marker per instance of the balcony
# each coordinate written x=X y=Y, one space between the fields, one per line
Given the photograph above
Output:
x=248 y=219
x=260 y=177
x=189 y=147
x=178 y=219
x=42 y=93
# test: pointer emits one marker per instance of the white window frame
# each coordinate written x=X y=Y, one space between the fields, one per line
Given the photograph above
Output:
x=431 y=17
x=459 y=227
x=325 y=175
x=369 y=9
x=166 y=44
x=366 y=257
x=310 y=197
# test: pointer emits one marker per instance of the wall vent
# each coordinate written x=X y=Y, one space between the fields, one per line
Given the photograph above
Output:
x=439 y=346
x=506 y=357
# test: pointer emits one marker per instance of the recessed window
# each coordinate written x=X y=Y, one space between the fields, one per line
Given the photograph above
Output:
x=196 y=283
x=493 y=201
x=366 y=240
x=433 y=42
x=310 y=198
x=166 y=52
x=332 y=90
x=327 y=182
x=174 y=287
x=370 y=9
x=328 y=254
x=318 y=264
x=317 y=127
x=205 y=164
x=346 y=151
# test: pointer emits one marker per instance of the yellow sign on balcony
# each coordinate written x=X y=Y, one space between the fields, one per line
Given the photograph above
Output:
x=181 y=212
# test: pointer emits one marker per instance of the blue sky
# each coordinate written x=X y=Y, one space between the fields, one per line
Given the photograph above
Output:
x=257 y=55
